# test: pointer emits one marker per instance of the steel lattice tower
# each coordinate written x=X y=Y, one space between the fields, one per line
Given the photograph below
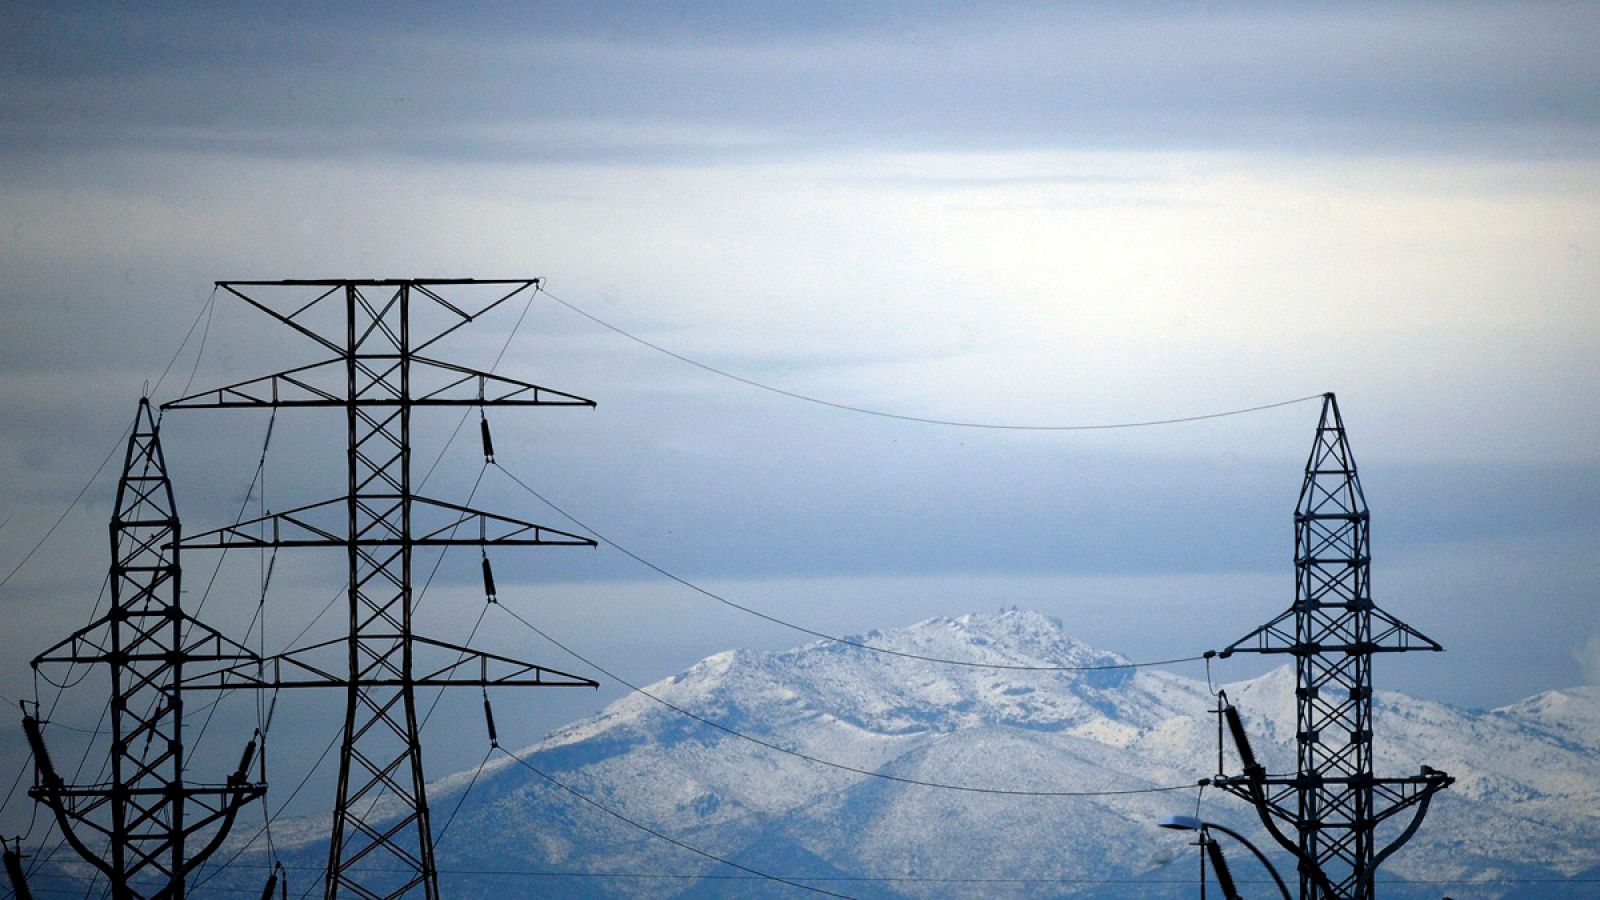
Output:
x=381 y=843
x=1333 y=802
x=137 y=828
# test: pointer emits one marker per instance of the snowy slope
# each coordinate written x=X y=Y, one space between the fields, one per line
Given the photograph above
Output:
x=1524 y=806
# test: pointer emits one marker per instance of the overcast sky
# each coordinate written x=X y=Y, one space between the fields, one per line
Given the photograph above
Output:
x=962 y=211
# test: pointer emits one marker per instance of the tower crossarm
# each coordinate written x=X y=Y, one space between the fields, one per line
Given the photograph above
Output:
x=1404 y=794
x=1276 y=800
x=76 y=808
x=291 y=387
x=461 y=386
x=492 y=529
x=231 y=800
x=296 y=313
x=439 y=524
x=93 y=644
x=1399 y=792
x=319 y=665
x=1388 y=634
x=1274 y=807
x=322 y=384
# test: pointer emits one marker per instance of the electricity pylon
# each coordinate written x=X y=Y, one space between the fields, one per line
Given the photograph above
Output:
x=381 y=842
x=1333 y=803
x=136 y=829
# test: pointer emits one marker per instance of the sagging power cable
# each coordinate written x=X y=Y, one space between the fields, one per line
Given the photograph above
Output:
x=76 y=499
x=205 y=312
x=884 y=414
x=818 y=760
x=669 y=839
x=811 y=631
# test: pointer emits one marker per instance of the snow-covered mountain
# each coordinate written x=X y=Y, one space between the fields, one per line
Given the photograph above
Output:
x=1524 y=805
x=1521 y=819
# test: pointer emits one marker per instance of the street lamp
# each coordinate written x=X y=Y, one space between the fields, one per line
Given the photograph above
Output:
x=1195 y=823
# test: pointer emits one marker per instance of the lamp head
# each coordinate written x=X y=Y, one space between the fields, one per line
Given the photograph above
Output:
x=1182 y=823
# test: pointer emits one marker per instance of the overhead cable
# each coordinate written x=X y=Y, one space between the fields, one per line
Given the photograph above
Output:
x=819 y=634
x=206 y=311
x=924 y=420
x=77 y=498
x=228 y=863
x=909 y=879
x=105 y=583
x=462 y=800
x=823 y=762
x=669 y=839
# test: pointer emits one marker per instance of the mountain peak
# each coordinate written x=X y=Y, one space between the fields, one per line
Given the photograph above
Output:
x=1520 y=808
x=1007 y=637
x=937 y=676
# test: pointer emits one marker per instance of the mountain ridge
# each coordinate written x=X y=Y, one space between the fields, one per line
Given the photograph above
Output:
x=1110 y=729
x=1522 y=808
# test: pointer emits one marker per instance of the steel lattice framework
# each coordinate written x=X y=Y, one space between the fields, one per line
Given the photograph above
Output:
x=1333 y=802
x=381 y=842
x=139 y=829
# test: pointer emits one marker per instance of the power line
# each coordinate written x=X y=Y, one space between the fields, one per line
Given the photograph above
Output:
x=273 y=818
x=953 y=423
x=204 y=309
x=887 y=879
x=811 y=631
x=671 y=840
x=462 y=800
x=914 y=879
x=199 y=354
x=259 y=477
x=70 y=507
x=105 y=583
x=818 y=760
x=493 y=368
x=1159 y=882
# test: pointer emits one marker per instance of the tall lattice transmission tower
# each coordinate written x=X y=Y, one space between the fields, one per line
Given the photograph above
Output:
x=1333 y=803
x=381 y=841
x=145 y=830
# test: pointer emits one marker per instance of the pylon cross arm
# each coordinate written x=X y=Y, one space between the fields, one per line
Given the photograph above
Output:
x=291 y=307
x=320 y=665
x=202 y=643
x=1389 y=635
x=299 y=386
x=439 y=524
x=491 y=528
x=482 y=388
x=323 y=384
